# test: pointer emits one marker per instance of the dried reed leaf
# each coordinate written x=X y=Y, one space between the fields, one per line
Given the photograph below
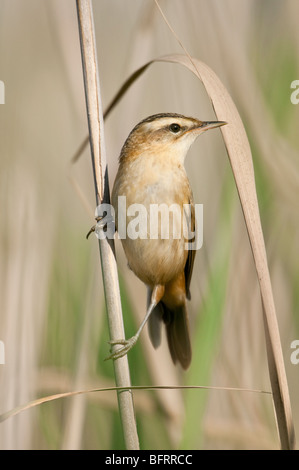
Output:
x=240 y=157
x=239 y=153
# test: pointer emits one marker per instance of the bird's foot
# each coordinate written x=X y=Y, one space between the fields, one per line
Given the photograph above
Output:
x=103 y=221
x=93 y=228
x=127 y=344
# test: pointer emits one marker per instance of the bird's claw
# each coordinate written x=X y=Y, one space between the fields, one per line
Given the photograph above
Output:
x=93 y=228
x=102 y=222
x=127 y=344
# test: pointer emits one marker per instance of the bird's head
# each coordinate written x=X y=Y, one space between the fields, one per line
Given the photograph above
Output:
x=160 y=133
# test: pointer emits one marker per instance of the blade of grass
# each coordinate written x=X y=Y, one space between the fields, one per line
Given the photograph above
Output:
x=108 y=262
x=39 y=401
x=241 y=161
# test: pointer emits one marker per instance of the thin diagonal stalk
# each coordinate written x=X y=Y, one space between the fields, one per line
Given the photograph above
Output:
x=109 y=268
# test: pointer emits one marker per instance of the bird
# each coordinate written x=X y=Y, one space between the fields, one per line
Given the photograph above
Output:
x=151 y=174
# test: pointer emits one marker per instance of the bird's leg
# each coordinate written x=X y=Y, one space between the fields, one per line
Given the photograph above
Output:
x=157 y=295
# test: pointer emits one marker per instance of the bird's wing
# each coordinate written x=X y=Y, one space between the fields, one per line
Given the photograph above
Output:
x=191 y=252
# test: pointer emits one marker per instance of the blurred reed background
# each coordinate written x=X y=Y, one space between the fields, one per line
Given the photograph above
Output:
x=52 y=309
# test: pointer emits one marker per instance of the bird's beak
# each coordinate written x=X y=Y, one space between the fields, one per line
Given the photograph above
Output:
x=211 y=124
x=203 y=126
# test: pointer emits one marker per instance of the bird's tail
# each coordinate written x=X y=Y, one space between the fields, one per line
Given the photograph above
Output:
x=177 y=331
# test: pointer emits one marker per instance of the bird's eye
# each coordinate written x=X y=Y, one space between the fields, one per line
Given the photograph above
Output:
x=174 y=127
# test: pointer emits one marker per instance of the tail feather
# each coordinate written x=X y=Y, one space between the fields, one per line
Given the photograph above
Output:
x=155 y=325
x=178 y=336
x=177 y=331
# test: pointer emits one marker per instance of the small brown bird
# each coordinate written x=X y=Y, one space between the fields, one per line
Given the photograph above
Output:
x=151 y=173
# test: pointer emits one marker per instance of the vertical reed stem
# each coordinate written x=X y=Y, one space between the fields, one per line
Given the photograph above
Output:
x=108 y=262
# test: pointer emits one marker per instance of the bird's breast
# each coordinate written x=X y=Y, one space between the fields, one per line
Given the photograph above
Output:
x=149 y=203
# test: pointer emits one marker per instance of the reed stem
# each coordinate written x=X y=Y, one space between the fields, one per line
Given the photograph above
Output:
x=106 y=246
